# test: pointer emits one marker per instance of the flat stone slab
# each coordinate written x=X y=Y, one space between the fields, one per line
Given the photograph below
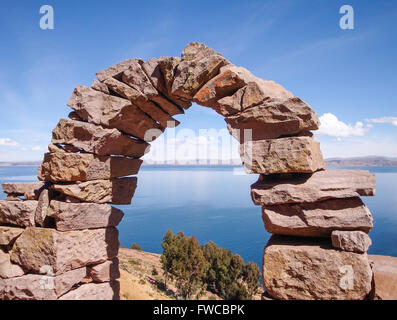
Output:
x=319 y=186
x=105 y=272
x=67 y=167
x=98 y=140
x=305 y=269
x=64 y=251
x=8 y=269
x=317 y=219
x=30 y=190
x=284 y=155
x=116 y=191
x=40 y=287
x=79 y=216
x=113 y=112
x=352 y=241
x=18 y=213
x=9 y=234
x=95 y=291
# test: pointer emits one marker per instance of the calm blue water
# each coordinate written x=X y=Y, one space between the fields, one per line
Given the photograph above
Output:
x=214 y=204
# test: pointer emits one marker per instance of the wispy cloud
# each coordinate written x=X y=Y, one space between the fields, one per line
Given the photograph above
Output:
x=333 y=127
x=7 y=142
x=392 y=120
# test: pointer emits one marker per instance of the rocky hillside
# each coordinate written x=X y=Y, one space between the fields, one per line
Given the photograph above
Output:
x=139 y=282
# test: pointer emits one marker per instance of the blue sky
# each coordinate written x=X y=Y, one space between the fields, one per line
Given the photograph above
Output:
x=347 y=76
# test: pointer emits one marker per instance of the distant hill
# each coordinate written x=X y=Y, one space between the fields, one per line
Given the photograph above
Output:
x=19 y=163
x=369 y=161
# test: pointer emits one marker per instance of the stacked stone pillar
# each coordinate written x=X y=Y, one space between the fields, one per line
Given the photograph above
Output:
x=58 y=236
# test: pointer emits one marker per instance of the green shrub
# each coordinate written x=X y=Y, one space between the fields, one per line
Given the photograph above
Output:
x=135 y=246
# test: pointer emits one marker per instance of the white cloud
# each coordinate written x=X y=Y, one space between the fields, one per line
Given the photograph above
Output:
x=392 y=120
x=7 y=142
x=38 y=148
x=333 y=127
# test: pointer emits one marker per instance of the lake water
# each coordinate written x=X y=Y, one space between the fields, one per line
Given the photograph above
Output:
x=214 y=204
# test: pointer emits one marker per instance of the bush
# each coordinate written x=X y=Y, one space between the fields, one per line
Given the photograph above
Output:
x=154 y=272
x=135 y=246
x=134 y=262
x=219 y=270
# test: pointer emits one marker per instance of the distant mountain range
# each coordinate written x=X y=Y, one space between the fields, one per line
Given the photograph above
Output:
x=369 y=161
x=19 y=163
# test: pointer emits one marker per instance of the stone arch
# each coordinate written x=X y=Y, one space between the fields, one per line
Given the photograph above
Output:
x=63 y=231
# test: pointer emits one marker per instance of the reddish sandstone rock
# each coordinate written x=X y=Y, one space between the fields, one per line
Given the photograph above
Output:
x=385 y=275
x=94 y=291
x=9 y=234
x=99 y=86
x=116 y=191
x=113 y=112
x=40 y=287
x=63 y=251
x=105 y=272
x=79 y=216
x=7 y=269
x=98 y=140
x=141 y=100
x=269 y=121
x=224 y=84
x=30 y=190
x=115 y=71
x=42 y=208
x=18 y=213
x=353 y=241
x=296 y=269
x=152 y=69
x=284 y=155
x=199 y=64
x=168 y=67
x=321 y=185
x=317 y=219
x=136 y=78
x=85 y=167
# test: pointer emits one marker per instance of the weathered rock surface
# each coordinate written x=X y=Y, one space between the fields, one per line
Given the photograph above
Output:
x=99 y=86
x=317 y=219
x=7 y=269
x=114 y=112
x=385 y=274
x=85 y=167
x=94 y=291
x=9 y=234
x=105 y=272
x=139 y=99
x=152 y=69
x=64 y=251
x=199 y=64
x=295 y=269
x=79 y=216
x=40 y=287
x=30 y=190
x=321 y=185
x=115 y=71
x=353 y=241
x=224 y=84
x=269 y=121
x=42 y=208
x=284 y=155
x=136 y=78
x=18 y=213
x=116 y=191
x=96 y=139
